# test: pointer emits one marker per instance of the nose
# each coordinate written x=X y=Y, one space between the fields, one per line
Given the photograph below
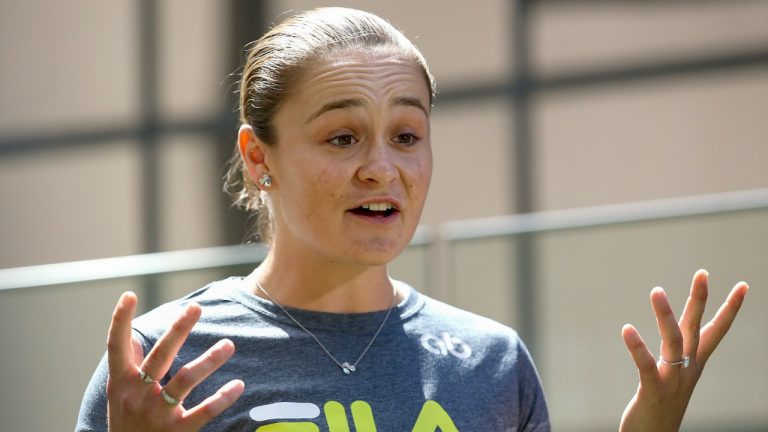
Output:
x=379 y=166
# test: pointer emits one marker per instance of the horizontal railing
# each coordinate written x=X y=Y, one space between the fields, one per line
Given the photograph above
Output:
x=225 y=256
x=613 y=214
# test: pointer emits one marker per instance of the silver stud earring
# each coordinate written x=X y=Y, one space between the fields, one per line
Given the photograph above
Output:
x=265 y=181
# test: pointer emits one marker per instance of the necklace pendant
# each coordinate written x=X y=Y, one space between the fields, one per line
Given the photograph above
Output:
x=345 y=367
x=348 y=368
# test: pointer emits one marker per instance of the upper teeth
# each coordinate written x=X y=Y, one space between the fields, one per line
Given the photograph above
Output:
x=378 y=206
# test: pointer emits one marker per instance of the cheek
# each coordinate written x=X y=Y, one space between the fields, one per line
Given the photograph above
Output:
x=422 y=175
x=325 y=188
x=427 y=170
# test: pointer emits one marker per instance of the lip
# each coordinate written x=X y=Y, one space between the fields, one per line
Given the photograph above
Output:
x=389 y=200
x=377 y=219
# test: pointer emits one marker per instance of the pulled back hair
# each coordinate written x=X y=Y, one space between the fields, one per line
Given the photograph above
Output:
x=276 y=61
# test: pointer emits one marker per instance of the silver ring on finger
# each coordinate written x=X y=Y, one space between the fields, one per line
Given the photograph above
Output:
x=170 y=400
x=684 y=362
x=145 y=378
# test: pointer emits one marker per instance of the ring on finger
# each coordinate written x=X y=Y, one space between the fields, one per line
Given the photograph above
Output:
x=170 y=400
x=684 y=362
x=145 y=378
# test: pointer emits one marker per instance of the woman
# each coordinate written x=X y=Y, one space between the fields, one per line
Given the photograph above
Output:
x=334 y=153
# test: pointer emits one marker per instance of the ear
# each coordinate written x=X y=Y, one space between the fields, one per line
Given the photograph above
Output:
x=253 y=151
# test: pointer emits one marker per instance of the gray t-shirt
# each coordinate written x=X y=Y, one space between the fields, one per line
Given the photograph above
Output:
x=432 y=368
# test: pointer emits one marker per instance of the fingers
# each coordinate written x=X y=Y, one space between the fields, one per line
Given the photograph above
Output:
x=139 y=402
x=714 y=331
x=690 y=321
x=138 y=352
x=194 y=372
x=120 y=349
x=666 y=389
x=671 y=337
x=644 y=360
x=161 y=356
x=215 y=404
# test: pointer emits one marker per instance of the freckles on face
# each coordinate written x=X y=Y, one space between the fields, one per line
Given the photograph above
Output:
x=353 y=137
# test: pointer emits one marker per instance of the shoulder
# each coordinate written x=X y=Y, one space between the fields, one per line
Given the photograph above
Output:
x=477 y=349
x=445 y=314
x=216 y=299
x=440 y=323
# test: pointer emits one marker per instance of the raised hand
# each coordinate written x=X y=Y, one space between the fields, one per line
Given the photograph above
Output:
x=137 y=401
x=666 y=384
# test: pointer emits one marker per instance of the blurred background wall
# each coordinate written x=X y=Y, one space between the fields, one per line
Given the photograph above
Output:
x=116 y=119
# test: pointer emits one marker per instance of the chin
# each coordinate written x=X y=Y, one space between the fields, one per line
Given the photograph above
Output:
x=374 y=255
x=376 y=259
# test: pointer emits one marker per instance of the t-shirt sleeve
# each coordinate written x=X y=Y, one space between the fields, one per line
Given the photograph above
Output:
x=534 y=416
x=93 y=409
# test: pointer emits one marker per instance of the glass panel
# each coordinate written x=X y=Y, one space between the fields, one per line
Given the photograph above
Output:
x=480 y=277
x=413 y=267
x=593 y=281
x=52 y=339
x=590 y=282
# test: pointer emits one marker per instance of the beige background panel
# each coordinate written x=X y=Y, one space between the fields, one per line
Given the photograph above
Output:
x=52 y=338
x=67 y=64
x=593 y=281
x=658 y=139
x=571 y=36
x=189 y=193
x=193 y=79
x=412 y=267
x=72 y=204
x=174 y=286
x=480 y=274
x=463 y=45
x=472 y=156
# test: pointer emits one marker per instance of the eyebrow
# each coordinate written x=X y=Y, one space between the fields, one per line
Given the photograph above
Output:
x=410 y=101
x=353 y=103
x=339 y=104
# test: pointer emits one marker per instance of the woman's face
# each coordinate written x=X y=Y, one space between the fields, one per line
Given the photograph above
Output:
x=353 y=159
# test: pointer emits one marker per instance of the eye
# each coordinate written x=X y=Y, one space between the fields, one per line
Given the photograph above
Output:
x=407 y=139
x=344 y=140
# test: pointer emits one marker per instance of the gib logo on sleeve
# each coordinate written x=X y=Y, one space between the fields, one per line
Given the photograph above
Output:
x=431 y=418
x=445 y=345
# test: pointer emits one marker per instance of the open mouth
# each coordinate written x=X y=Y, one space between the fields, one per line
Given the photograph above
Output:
x=375 y=210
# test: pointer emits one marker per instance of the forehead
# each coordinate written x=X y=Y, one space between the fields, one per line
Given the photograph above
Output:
x=375 y=76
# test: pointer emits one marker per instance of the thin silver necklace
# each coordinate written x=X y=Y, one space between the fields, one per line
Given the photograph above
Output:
x=345 y=366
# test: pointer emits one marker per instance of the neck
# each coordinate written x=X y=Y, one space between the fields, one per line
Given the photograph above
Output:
x=324 y=287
